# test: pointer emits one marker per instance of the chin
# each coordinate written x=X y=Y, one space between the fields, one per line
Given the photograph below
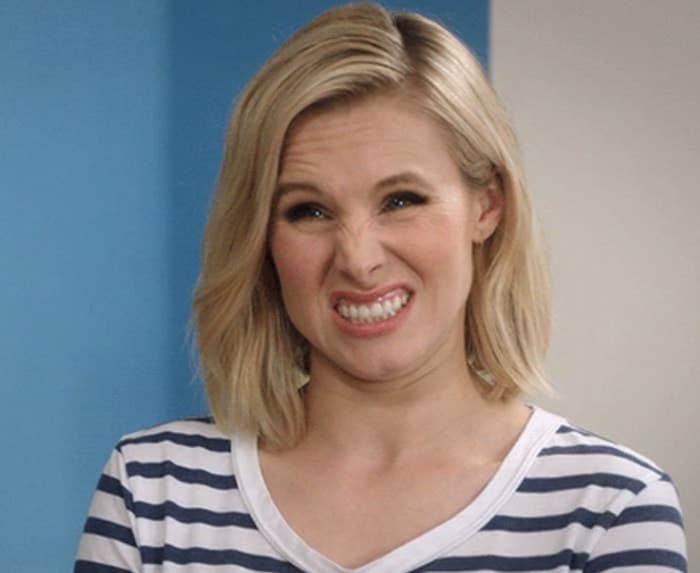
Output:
x=381 y=369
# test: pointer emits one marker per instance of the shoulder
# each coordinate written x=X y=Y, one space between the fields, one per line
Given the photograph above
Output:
x=187 y=452
x=166 y=483
x=591 y=470
x=177 y=434
x=576 y=448
x=628 y=502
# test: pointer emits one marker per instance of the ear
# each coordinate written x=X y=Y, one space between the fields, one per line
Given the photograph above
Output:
x=490 y=205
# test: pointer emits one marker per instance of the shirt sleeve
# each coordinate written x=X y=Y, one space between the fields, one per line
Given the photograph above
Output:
x=647 y=536
x=108 y=543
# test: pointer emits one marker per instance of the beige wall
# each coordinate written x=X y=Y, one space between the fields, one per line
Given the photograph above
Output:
x=605 y=95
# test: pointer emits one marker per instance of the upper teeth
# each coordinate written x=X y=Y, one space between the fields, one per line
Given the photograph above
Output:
x=365 y=314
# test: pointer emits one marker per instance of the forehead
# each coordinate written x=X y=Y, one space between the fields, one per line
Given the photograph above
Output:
x=372 y=135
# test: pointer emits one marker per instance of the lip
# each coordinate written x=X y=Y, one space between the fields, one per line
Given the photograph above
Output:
x=381 y=328
x=370 y=296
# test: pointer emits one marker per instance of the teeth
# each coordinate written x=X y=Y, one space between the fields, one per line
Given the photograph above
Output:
x=388 y=308
x=364 y=313
x=367 y=314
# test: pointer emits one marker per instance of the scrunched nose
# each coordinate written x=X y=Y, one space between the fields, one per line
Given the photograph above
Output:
x=359 y=254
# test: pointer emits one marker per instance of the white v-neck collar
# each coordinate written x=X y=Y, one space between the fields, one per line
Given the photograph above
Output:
x=420 y=550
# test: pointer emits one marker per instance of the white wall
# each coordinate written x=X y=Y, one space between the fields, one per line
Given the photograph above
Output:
x=605 y=95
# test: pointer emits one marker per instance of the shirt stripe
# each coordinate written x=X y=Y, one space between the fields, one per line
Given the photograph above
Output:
x=168 y=553
x=598 y=449
x=109 y=529
x=109 y=484
x=82 y=566
x=637 y=557
x=567 y=557
x=546 y=485
x=580 y=516
x=650 y=513
x=180 y=473
x=189 y=440
x=191 y=514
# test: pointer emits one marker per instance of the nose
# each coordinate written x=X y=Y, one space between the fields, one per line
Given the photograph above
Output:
x=359 y=253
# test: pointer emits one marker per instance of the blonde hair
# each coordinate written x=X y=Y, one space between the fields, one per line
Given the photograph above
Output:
x=251 y=357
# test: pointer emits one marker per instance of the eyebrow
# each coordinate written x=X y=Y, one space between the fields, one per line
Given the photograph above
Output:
x=284 y=188
x=406 y=177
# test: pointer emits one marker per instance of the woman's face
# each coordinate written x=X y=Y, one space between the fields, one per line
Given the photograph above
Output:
x=372 y=237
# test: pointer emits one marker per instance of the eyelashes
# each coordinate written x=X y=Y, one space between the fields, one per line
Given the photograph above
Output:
x=403 y=199
x=304 y=211
x=310 y=211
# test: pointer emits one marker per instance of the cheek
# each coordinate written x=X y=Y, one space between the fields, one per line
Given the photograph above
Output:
x=449 y=262
x=442 y=246
x=297 y=261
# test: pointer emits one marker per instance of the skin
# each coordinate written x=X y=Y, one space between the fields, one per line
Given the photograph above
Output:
x=389 y=416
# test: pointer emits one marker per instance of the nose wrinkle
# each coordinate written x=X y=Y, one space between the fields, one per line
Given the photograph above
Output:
x=354 y=236
x=354 y=248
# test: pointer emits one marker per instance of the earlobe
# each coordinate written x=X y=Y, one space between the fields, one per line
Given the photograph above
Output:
x=492 y=204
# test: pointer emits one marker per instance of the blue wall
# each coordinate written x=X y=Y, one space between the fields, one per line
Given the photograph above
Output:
x=111 y=124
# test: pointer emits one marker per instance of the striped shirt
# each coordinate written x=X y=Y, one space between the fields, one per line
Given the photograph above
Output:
x=183 y=497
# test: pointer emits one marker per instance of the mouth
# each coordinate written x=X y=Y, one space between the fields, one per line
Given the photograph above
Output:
x=369 y=312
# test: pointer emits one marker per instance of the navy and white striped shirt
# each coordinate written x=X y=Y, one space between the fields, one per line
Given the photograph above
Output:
x=183 y=497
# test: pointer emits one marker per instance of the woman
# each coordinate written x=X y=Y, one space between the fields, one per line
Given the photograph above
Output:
x=372 y=303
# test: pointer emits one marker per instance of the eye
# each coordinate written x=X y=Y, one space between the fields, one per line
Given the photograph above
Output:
x=304 y=212
x=403 y=199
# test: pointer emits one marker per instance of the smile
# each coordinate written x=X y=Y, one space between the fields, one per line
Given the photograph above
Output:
x=381 y=309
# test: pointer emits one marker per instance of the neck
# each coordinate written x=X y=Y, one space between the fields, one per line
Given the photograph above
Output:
x=385 y=422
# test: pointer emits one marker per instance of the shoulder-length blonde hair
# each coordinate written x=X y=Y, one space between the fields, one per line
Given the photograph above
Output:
x=252 y=359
